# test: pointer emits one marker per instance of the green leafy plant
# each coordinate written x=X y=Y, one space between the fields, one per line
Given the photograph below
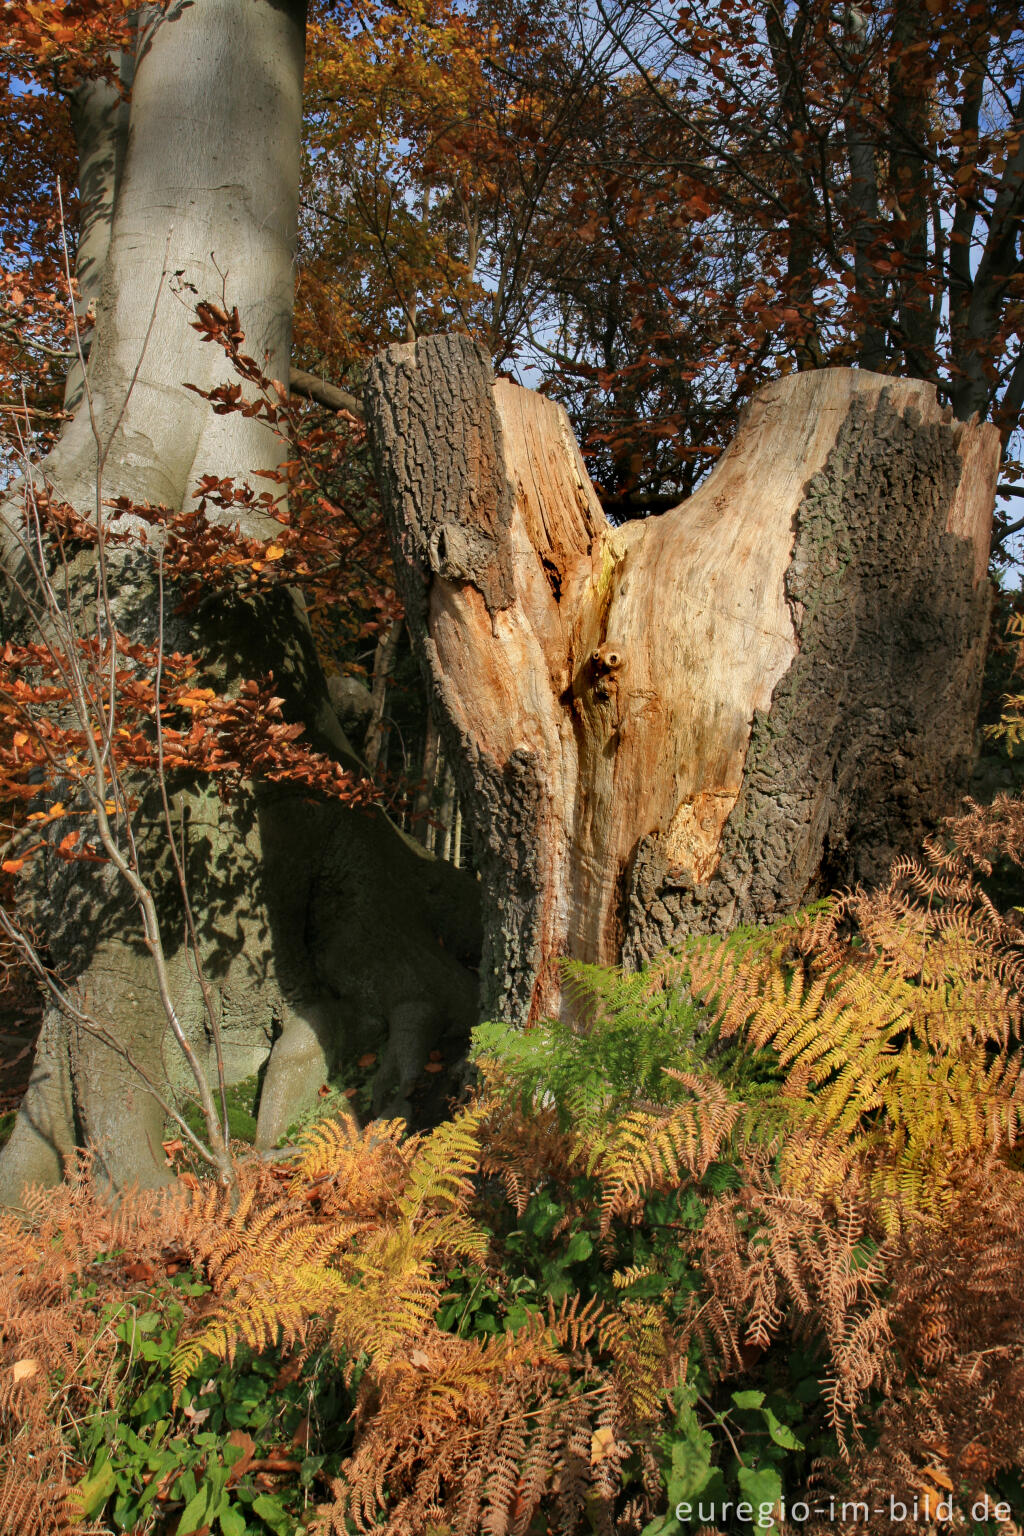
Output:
x=242 y=1099
x=239 y=1454
x=605 y=1271
x=626 y=1032
x=760 y=1447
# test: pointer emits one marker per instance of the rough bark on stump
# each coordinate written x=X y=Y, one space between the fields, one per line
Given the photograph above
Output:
x=703 y=719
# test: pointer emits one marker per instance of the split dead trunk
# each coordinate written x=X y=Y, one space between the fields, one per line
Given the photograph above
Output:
x=700 y=720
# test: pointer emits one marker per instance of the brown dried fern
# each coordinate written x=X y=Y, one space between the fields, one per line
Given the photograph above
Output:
x=58 y=1357
x=896 y=1017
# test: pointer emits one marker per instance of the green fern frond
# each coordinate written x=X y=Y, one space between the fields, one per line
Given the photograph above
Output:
x=642 y=1151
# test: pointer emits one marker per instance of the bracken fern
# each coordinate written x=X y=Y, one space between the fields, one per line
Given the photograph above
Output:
x=891 y=1014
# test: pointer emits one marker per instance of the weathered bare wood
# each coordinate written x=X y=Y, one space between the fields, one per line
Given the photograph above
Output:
x=702 y=719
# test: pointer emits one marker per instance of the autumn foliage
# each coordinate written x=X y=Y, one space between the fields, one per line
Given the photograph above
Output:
x=797 y=1260
x=854 y=1216
x=161 y=718
x=654 y=211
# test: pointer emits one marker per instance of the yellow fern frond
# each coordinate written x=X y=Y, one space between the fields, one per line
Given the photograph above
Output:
x=443 y=1165
x=644 y=1151
x=896 y=1049
x=622 y=1279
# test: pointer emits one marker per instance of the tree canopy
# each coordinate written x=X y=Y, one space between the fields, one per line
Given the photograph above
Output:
x=647 y=213
x=649 y=210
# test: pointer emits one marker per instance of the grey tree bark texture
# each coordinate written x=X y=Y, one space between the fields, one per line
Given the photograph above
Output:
x=704 y=719
x=323 y=932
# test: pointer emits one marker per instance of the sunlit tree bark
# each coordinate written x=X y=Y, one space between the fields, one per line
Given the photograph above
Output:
x=702 y=719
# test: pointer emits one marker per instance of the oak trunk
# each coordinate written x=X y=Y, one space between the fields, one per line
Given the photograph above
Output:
x=703 y=719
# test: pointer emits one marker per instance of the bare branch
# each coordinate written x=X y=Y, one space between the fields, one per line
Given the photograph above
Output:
x=311 y=388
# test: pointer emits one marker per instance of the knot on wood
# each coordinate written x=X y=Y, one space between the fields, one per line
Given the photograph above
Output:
x=606 y=659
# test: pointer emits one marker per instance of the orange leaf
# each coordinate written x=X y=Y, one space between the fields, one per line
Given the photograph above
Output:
x=140 y=1271
x=247 y=1446
x=602 y=1443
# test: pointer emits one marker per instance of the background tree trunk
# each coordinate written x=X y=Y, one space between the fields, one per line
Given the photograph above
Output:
x=422 y=826
x=383 y=666
x=707 y=718
x=320 y=929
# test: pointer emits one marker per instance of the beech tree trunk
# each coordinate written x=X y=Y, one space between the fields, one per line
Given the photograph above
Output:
x=700 y=720
x=323 y=932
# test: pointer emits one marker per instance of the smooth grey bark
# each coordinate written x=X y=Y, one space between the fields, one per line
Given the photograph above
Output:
x=383 y=665
x=208 y=191
x=322 y=931
x=446 y=812
x=100 y=117
x=206 y=185
x=303 y=383
x=422 y=829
